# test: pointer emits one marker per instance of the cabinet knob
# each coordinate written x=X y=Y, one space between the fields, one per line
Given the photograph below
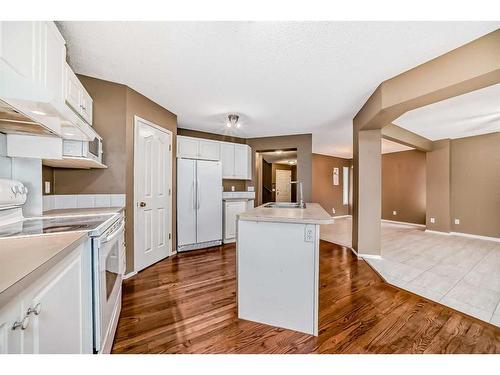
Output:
x=35 y=310
x=23 y=324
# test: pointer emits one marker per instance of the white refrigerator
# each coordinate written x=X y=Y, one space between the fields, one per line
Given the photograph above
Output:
x=199 y=204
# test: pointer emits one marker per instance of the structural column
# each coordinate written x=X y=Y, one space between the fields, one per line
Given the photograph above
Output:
x=367 y=207
x=438 y=213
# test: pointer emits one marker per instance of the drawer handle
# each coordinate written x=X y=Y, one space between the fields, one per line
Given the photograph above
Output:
x=35 y=310
x=23 y=324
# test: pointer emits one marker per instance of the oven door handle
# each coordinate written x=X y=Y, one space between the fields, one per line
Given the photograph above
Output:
x=115 y=234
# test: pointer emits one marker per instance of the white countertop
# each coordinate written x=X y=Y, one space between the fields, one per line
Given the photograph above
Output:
x=23 y=257
x=312 y=214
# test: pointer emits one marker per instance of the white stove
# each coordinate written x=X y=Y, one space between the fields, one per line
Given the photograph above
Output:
x=107 y=235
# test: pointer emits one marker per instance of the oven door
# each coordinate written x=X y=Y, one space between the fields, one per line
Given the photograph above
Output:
x=108 y=280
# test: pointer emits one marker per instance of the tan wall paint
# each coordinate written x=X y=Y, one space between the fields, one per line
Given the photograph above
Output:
x=475 y=185
x=213 y=136
x=370 y=192
x=109 y=109
x=301 y=142
x=438 y=165
x=397 y=134
x=139 y=105
x=404 y=186
x=323 y=191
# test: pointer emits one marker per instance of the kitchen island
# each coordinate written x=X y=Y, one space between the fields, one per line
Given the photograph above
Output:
x=278 y=265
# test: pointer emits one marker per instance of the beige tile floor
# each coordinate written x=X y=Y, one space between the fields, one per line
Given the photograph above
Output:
x=460 y=272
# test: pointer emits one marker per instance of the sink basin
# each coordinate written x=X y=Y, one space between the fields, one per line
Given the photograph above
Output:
x=283 y=205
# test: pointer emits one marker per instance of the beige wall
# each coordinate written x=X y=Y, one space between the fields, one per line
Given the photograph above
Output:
x=438 y=165
x=475 y=185
x=323 y=191
x=404 y=186
x=109 y=120
x=302 y=143
x=139 y=105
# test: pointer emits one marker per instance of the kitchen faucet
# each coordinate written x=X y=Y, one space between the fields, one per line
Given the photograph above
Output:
x=301 y=193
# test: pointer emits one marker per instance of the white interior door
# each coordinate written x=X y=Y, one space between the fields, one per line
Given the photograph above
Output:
x=186 y=202
x=209 y=192
x=153 y=194
x=283 y=188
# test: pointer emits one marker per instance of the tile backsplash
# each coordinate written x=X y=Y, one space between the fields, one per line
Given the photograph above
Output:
x=52 y=202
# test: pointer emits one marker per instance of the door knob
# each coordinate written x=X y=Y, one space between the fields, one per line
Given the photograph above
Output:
x=142 y=204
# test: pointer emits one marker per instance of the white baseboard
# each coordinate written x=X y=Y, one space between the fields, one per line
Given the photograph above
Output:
x=369 y=256
x=129 y=275
x=404 y=223
x=437 y=232
x=486 y=238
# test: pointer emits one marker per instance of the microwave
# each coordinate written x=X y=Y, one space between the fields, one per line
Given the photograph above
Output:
x=84 y=149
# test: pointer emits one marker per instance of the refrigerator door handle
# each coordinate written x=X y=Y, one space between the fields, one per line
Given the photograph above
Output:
x=194 y=194
x=198 y=193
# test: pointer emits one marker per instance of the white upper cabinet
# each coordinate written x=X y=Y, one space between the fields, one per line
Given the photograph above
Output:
x=236 y=161
x=196 y=148
x=242 y=162
x=227 y=158
x=209 y=150
x=76 y=96
x=236 y=158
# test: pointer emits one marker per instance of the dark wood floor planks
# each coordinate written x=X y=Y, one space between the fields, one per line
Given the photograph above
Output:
x=187 y=304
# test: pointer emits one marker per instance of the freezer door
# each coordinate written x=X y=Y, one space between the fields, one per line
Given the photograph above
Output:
x=186 y=201
x=209 y=215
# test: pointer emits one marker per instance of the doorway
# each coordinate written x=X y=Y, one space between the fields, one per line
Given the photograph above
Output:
x=152 y=193
x=278 y=169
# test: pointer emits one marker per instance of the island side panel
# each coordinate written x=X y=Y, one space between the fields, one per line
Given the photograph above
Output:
x=278 y=274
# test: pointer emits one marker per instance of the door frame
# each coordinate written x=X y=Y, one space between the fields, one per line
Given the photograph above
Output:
x=138 y=119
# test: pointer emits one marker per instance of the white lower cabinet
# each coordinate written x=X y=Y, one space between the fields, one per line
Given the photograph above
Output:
x=231 y=209
x=54 y=314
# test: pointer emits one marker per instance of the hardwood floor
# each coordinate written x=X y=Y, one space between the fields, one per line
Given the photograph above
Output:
x=187 y=304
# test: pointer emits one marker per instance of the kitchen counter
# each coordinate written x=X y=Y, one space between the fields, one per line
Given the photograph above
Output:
x=277 y=256
x=312 y=214
x=24 y=259
x=83 y=211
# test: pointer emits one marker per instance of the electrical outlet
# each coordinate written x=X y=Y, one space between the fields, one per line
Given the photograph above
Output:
x=309 y=233
x=457 y=221
x=394 y=213
x=47 y=187
x=433 y=220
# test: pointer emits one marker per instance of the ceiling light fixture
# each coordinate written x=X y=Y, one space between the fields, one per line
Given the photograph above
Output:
x=233 y=121
x=38 y=113
x=279 y=151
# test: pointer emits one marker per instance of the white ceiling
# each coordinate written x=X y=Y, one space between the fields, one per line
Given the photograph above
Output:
x=280 y=77
x=475 y=113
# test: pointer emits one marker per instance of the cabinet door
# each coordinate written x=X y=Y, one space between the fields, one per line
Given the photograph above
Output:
x=72 y=90
x=209 y=150
x=60 y=323
x=227 y=159
x=18 y=47
x=10 y=340
x=241 y=161
x=187 y=147
x=231 y=210
x=53 y=60
x=86 y=106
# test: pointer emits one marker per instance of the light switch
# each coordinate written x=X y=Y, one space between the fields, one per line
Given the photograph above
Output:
x=47 y=187
x=457 y=221
x=394 y=213
x=433 y=220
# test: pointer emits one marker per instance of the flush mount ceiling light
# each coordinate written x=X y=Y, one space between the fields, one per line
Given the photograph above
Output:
x=232 y=121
